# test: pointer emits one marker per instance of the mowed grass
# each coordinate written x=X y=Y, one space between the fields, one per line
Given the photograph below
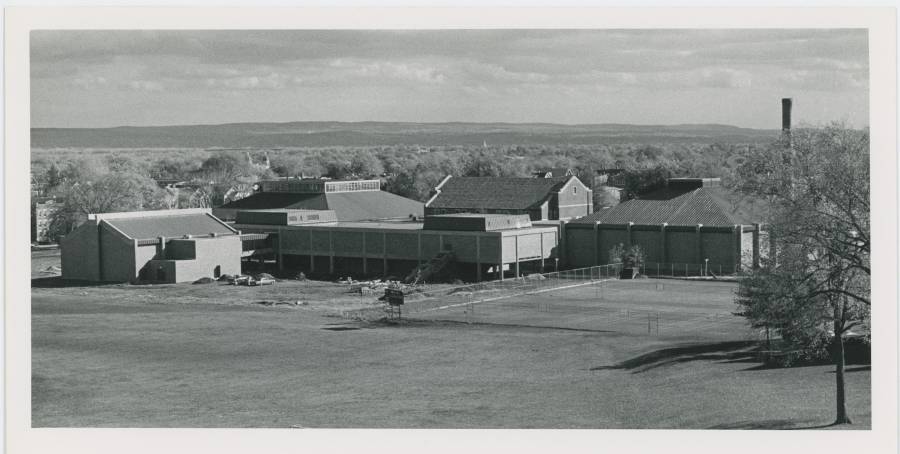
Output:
x=673 y=308
x=115 y=357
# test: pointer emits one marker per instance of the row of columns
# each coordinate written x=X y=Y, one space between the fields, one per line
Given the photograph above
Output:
x=365 y=256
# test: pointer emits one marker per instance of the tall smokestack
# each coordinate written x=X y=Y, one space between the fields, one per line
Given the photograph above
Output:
x=786 y=104
x=786 y=115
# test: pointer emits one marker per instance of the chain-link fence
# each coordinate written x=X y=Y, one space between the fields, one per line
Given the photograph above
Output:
x=671 y=308
x=417 y=301
x=705 y=269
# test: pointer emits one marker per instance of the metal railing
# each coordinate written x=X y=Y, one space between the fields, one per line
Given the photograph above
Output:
x=417 y=301
x=671 y=269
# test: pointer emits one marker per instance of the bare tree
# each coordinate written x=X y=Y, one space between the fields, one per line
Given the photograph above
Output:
x=819 y=280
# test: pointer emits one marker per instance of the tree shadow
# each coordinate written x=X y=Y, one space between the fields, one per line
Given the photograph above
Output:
x=853 y=369
x=771 y=424
x=729 y=351
x=59 y=282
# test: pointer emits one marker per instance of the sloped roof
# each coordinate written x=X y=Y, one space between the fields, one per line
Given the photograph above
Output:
x=370 y=205
x=714 y=206
x=496 y=192
x=170 y=226
x=268 y=200
x=348 y=206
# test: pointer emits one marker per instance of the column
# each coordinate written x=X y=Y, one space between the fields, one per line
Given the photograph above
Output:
x=517 y=254
x=596 y=243
x=419 y=247
x=330 y=252
x=312 y=256
x=477 y=258
x=662 y=243
x=384 y=254
x=699 y=244
x=279 y=257
x=365 y=260
x=542 y=252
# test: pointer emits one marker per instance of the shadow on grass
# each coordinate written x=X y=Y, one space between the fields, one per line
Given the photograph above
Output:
x=59 y=282
x=853 y=369
x=501 y=325
x=771 y=424
x=730 y=351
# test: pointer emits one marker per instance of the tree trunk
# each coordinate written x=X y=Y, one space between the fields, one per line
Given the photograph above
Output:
x=842 y=417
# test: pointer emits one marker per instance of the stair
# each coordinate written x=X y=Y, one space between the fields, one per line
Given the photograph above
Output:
x=430 y=268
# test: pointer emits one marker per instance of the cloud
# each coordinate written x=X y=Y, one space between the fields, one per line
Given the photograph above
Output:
x=455 y=70
x=90 y=82
x=145 y=85
x=271 y=81
x=381 y=70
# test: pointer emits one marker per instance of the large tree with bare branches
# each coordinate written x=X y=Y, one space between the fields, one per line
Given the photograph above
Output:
x=817 y=285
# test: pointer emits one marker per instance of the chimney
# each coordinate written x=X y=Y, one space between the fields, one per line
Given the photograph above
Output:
x=786 y=115
x=786 y=104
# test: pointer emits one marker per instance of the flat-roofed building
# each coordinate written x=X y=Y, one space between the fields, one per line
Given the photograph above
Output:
x=151 y=246
x=482 y=245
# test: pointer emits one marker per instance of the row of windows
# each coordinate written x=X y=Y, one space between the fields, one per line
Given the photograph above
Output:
x=318 y=187
x=344 y=186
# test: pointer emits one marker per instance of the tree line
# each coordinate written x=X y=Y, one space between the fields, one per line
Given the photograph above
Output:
x=96 y=181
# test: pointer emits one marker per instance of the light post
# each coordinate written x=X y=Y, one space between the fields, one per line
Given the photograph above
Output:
x=706 y=268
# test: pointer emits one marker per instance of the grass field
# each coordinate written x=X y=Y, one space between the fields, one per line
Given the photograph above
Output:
x=650 y=306
x=212 y=356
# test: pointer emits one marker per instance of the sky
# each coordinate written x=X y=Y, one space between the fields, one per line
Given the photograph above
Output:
x=735 y=77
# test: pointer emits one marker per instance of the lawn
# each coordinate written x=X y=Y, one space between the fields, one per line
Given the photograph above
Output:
x=211 y=356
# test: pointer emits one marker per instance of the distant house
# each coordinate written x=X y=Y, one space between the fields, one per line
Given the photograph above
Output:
x=614 y=178
x=351 y=200
x=43 y=209
x=688 y=222
x=151 y=246
x=558 y=172
x=540 y=198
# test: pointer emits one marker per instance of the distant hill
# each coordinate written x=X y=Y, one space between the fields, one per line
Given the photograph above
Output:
x=323 y=134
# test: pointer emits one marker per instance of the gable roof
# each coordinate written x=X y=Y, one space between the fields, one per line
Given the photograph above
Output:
x=170 y=226
x=348 y=206
x=496 y=192
x=713 y=206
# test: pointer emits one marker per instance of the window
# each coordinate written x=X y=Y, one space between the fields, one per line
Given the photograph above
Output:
x=574 y=189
